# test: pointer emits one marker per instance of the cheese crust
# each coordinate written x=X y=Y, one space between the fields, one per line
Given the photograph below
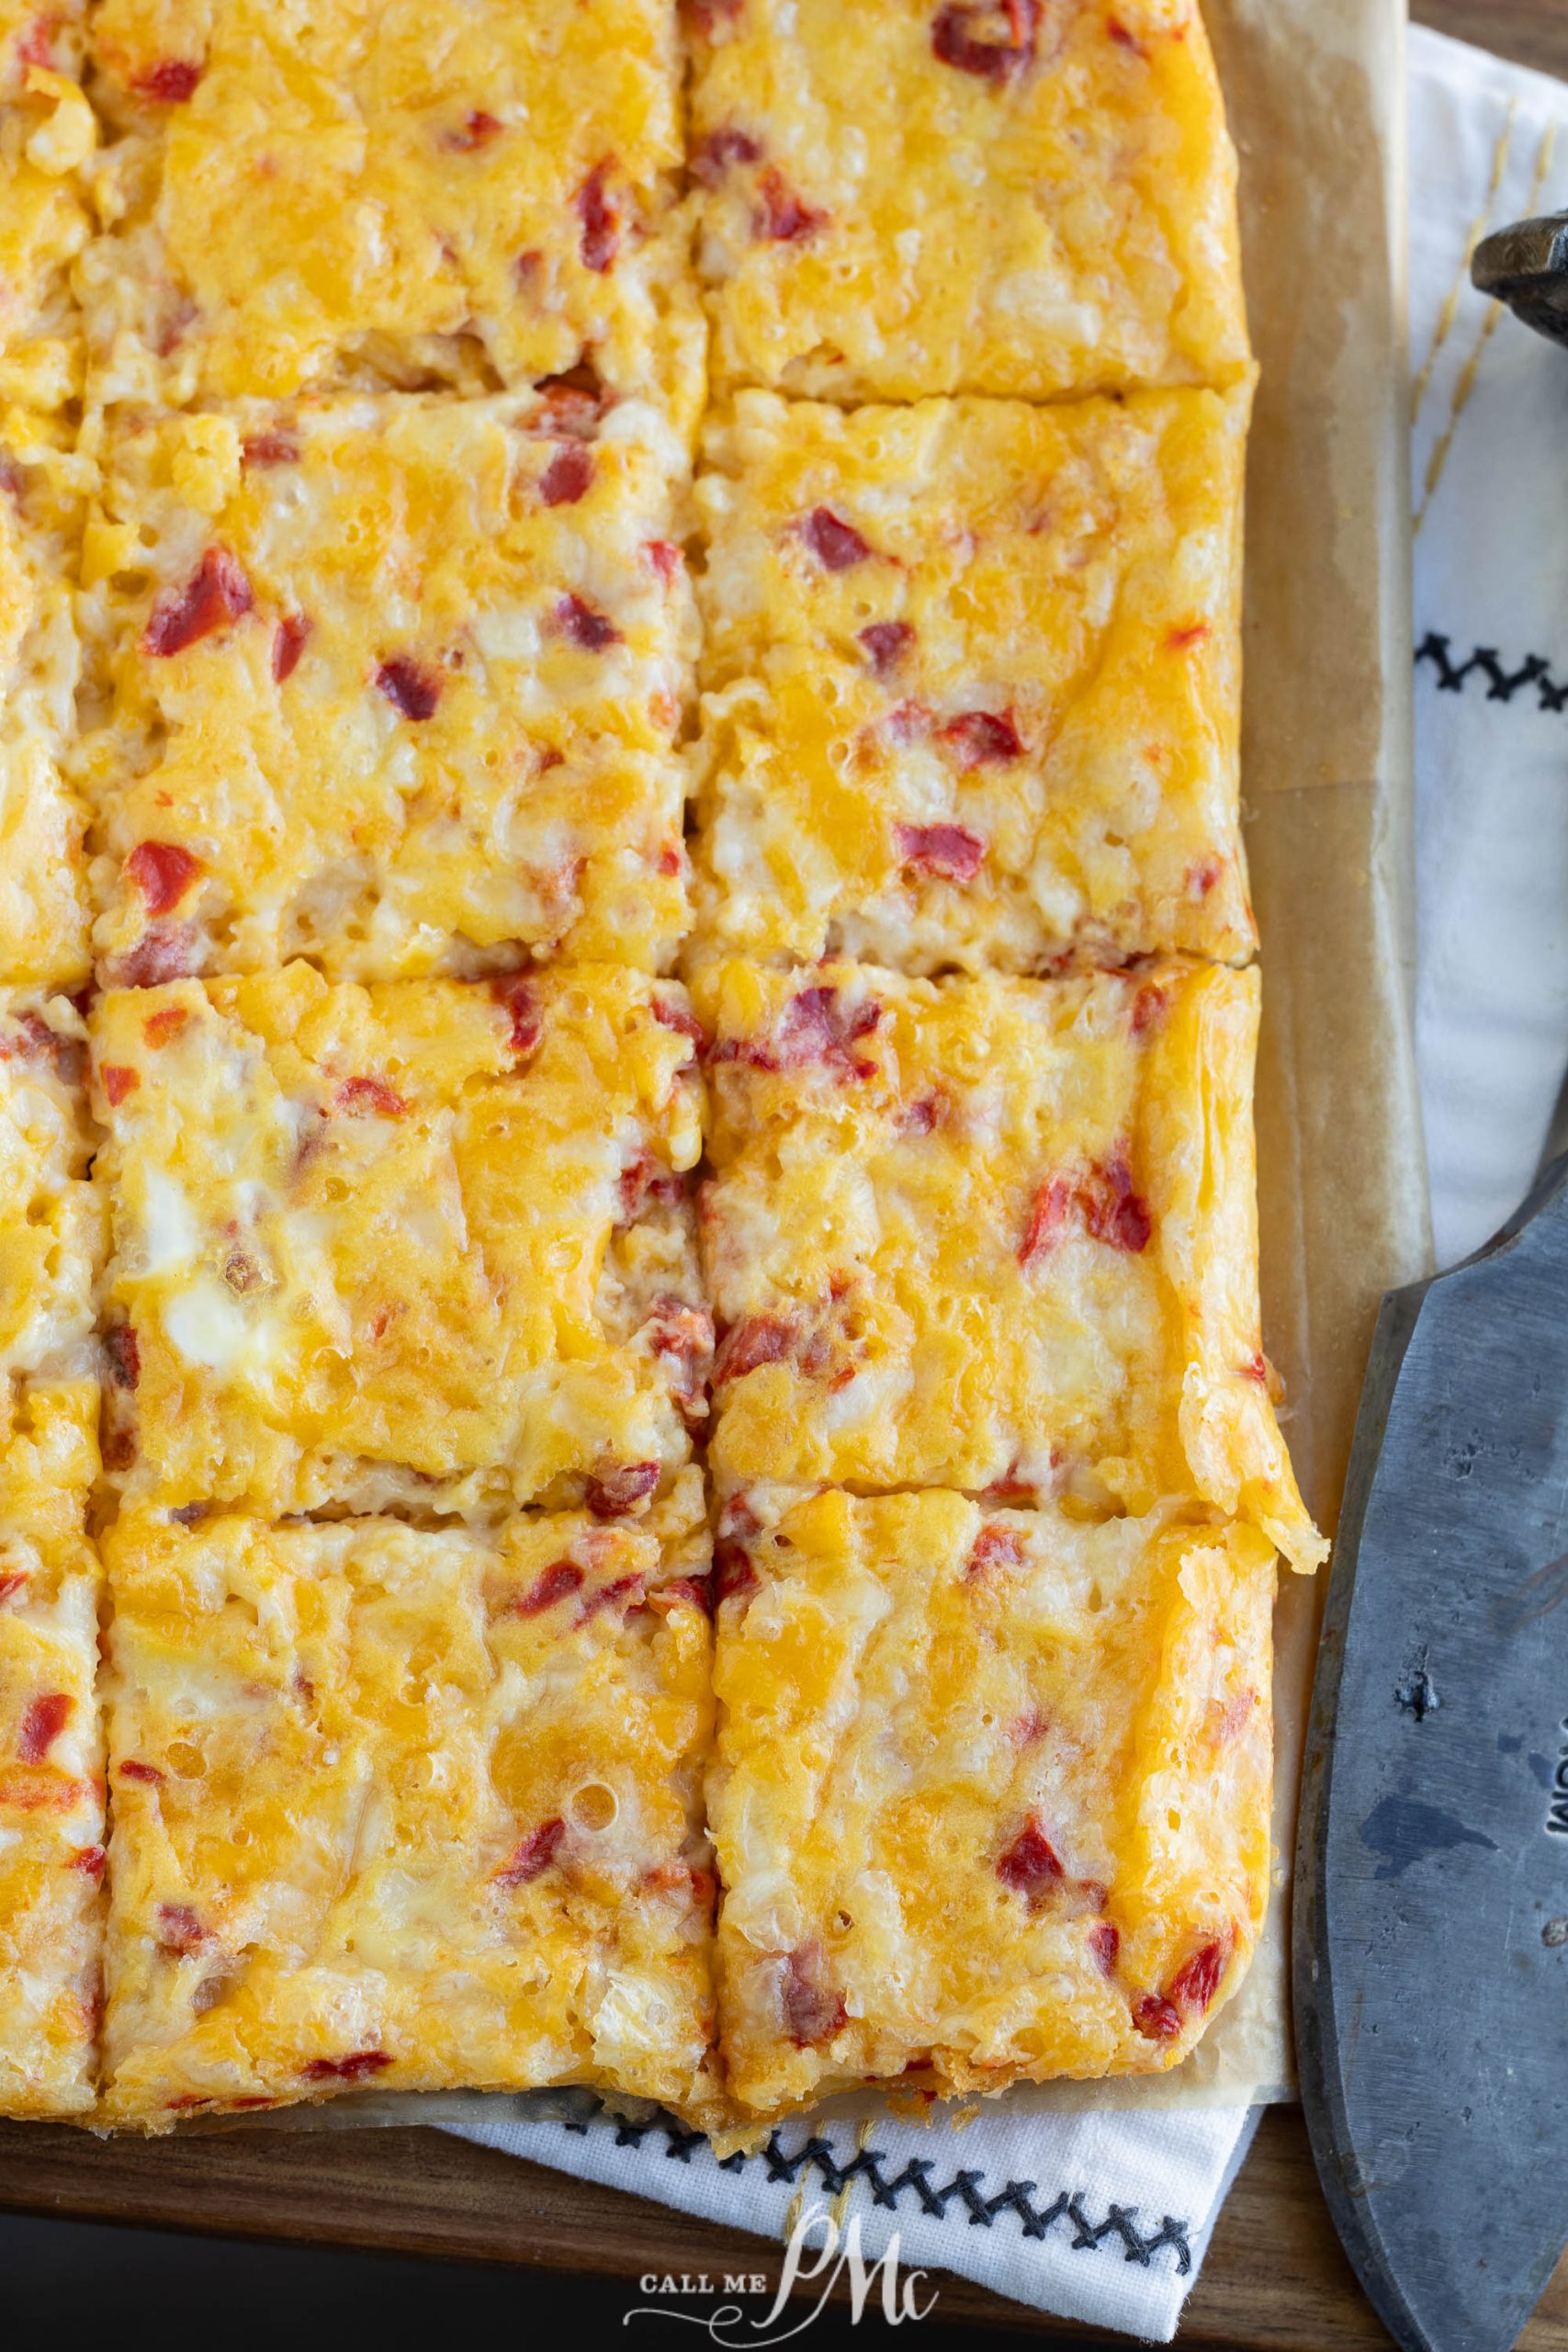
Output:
x=51 y=1769
x=44 y=868
x=392 y=682
x=1018 y=197
x=47 y=136
x=993 y=1234
x=379 y=195
x=427 y=1244
x=972 y=675
x=406 y=1809
x=50 y=1222
x=990 y=1798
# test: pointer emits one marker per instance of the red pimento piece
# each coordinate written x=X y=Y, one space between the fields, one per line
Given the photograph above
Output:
x=993 y=39
x=1201 y=877
x=885 y=643
x=534 y=1855
x=124 y=1355
x=704 y=16
x=951 y=850
x=413 y=691
x=1155 y=2018
x=1179 y=640
x=159 y=1027
x=624 y=1590
x=168 y=82
x=1124 y=37
x=566 y=479
x=161 y=873
x=1112 y=1211
x=554 y=1585
x=921 y=1117
x=1197 y=1980
x=147 y=1774
x=43 y=1723
x=677 y=1017
x=813 y=2008
x=217 y=593
x=118 y=1081
x=719 y=150
x=621 y=1490
x=594 y=632
x=1257 y=1368
x=478 y=128
x=355 y=2068
x=1029 y=1865
x=601 y=237
x=89 y=1861
x=980 y=737
x=269 y=450
x=783 y=217
x=522 y=1006
x=1047 y=1219
x=994 y=1547
x=369 y=1097
x=36 y=46
x=13 y=1581
x=1105 y=1943
x=288 y=643
x=734 y=1572
x=666 y=559
x=179 y=1927
x=814 y=1027
x=835 y=543
x=1148 y=1009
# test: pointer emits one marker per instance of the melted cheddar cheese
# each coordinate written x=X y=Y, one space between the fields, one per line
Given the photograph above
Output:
x=391 y=682
x=972 y=681
x=406 y=1809
x=992 y=1234
x=426 y=1244
x=43 y=870
x=380 y=193
x=991 y=1800
x=47 y=136
x=50 y=1223
x=1026 y=196
x=51 y=1773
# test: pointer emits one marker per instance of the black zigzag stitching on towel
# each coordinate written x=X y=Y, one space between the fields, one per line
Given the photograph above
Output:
x=1501 y=685
x=964 y=2192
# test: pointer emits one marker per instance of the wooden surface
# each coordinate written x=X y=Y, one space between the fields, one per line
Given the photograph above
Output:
x=1274 y=2279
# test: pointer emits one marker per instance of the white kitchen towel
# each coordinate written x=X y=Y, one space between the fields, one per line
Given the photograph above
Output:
x=1100 y=2216
x=1489 y=460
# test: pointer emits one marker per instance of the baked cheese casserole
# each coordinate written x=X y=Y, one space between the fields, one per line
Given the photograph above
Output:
x=635 y=1441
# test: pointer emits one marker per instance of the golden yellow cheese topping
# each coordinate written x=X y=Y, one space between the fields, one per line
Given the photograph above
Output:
x=990 y=1801
x=43 y=871
x=388 y=193
x=993 y=1234
x=971 y=676
x=46 y=136
x=426 y=1243
x=406 y=1810
x=50 y=1222
x=392 y=682
x=1024 y=197
x=51 y=1771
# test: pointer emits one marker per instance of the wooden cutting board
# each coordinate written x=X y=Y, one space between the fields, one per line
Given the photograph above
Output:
x=1274 y=2279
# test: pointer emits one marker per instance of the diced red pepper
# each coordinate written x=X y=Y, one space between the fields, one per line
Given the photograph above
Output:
x=168 y=82
x=1029 y=1865
x=118 y=1081
x=477 y=130
x=273 y=448
x=813 y=2008
x=995 y=1547
x=783 y=216
x=1105 y=1943
x=981 y=737
x=566 y=479
x=412 y=689
x=562 y=1577
x=887 y=642
x=951 y=850
x=161 y=873
x=993 y=39
x=356 y=2068
x=160 y=1026
x=835 y=543
x=593 y=630
x=147 y=1774
x=534 y=1855
x=124 y=1355
x=719 y=150
x=289 y=642
x=369 y=1097
x=43 y=1723
x=217 y=593
x=621 y=1490
x=600 y=236
x=179 y=1927
x=165 y=951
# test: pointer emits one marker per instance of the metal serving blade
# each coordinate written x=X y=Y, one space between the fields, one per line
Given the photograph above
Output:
x=1431 y=1926
x=1527 y=266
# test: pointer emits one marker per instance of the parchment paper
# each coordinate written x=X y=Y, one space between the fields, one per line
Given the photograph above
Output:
x=1316 y=90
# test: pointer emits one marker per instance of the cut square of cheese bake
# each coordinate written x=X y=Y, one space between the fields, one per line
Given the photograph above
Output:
x=1027 y=197
x=47 y=135
x=974 y=680
x=43 y=870
x=407 y=1809
x=392 y=682
x=468 y=193
x=994 y=1234
x=51 y=1773
x=427 y=1244
x=50 y=1222
x=990 y=1801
